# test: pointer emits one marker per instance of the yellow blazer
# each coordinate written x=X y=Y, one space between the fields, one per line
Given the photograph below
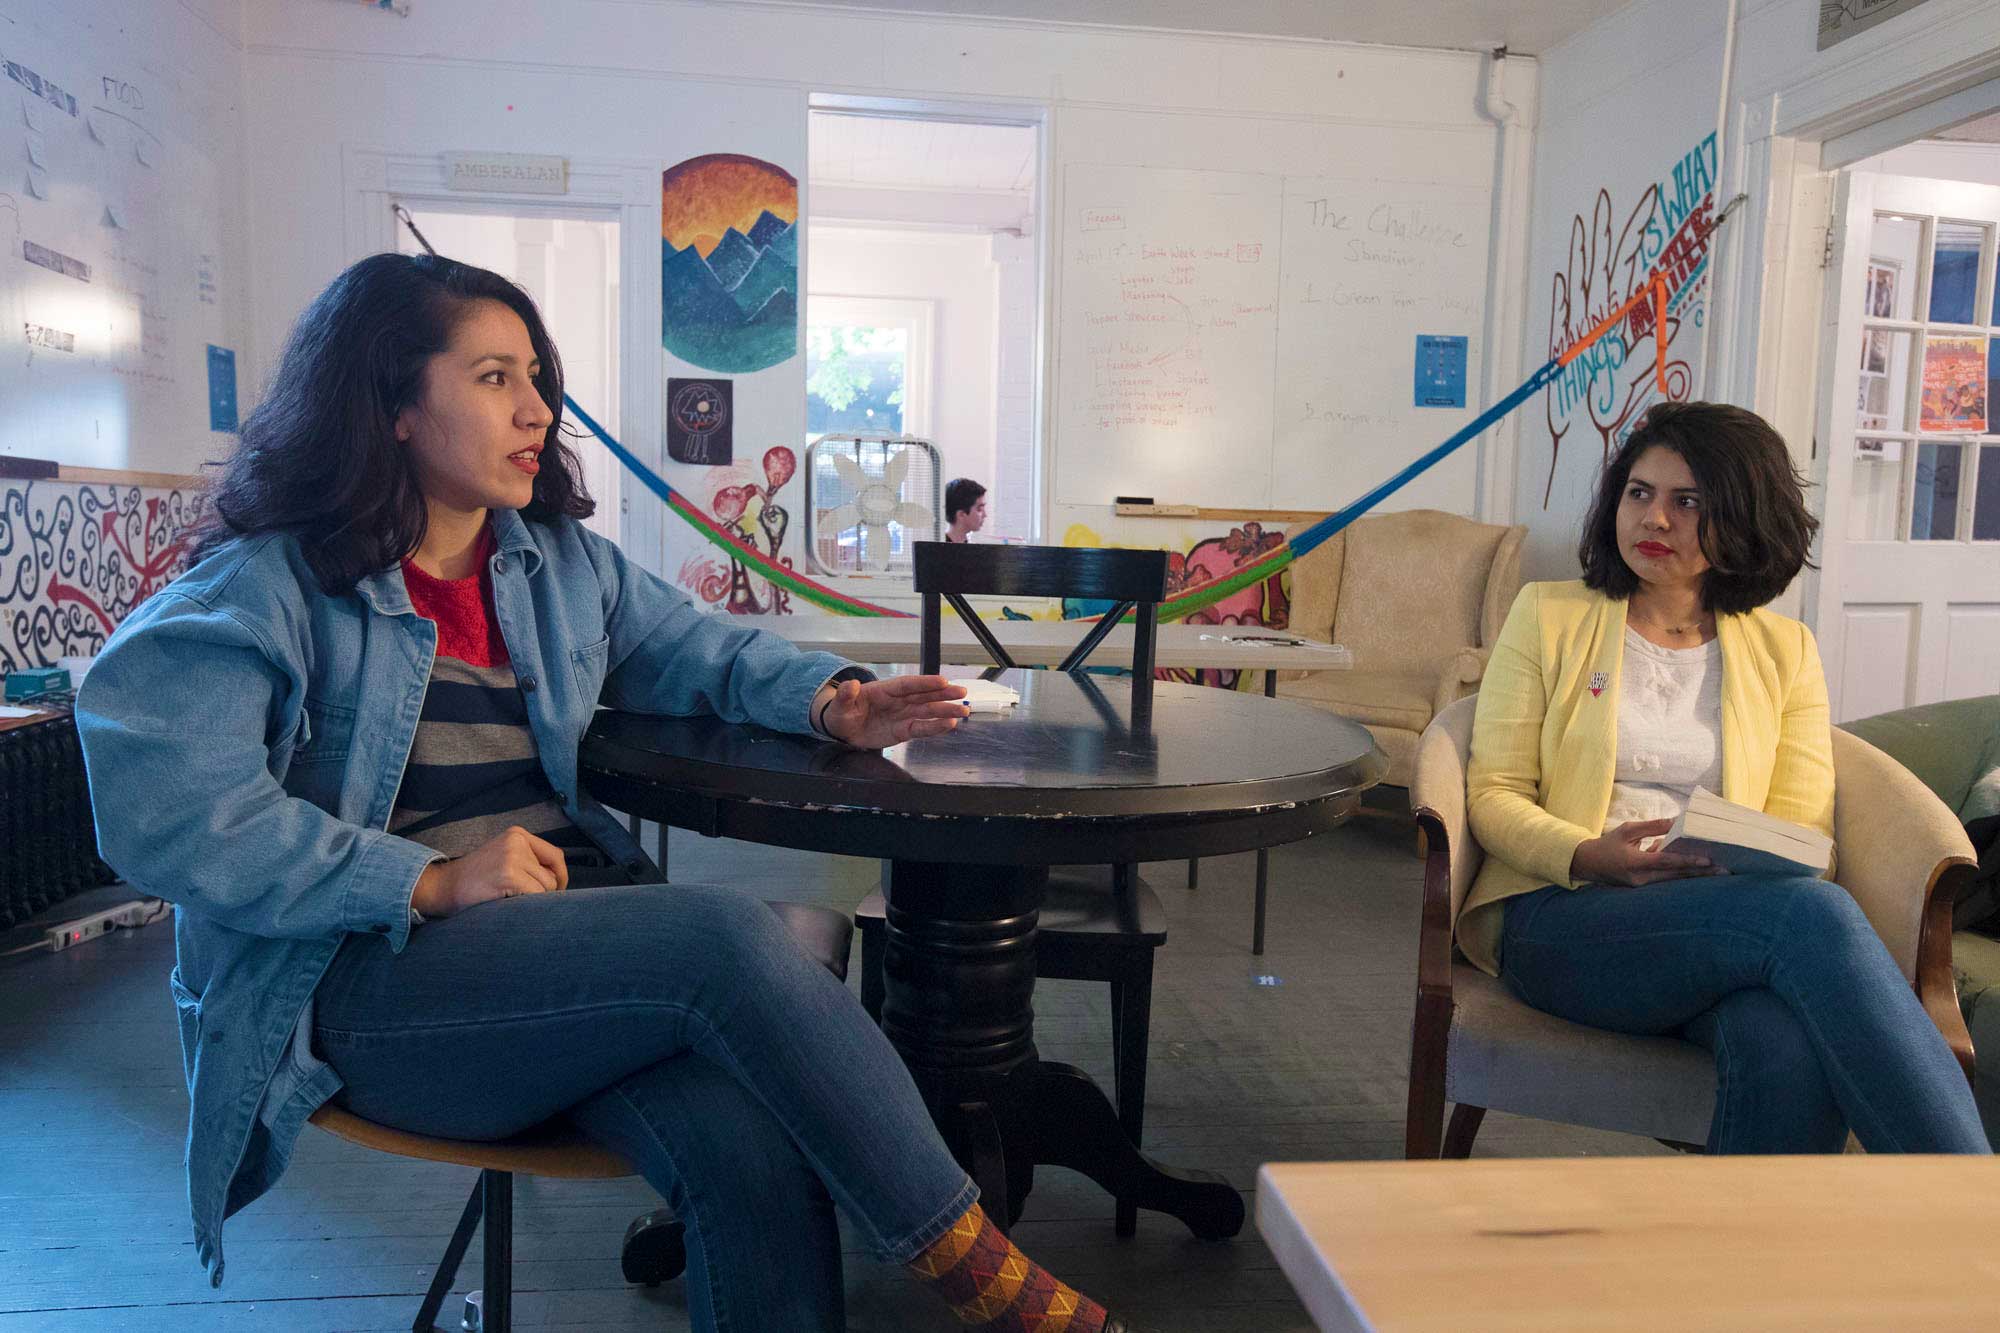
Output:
x=1545 y=739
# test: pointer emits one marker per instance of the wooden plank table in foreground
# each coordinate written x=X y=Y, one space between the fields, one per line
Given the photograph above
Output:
x=1628 y=1243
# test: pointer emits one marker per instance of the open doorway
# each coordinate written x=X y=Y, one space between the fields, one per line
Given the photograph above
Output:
x=1910 y=595
x=569 y=266
x=922 y=315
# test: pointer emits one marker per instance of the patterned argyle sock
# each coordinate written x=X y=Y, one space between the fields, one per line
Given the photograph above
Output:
x=991 y=1285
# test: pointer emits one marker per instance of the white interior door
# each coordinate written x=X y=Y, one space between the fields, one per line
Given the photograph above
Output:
x=569 y=265
x=1907 y=601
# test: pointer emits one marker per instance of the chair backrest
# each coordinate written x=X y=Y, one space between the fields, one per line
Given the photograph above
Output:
x=1889 y=830
x=1314 y=587
x=1417 y=586
x=1133 y=581
x=1041 y=571
x=1443 y=753
x=1943 y=743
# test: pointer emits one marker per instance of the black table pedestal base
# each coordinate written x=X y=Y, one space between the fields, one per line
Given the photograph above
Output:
x=1056 y=1115
x=959 y=976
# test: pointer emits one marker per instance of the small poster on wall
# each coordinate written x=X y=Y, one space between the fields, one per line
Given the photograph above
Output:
x=699 y=429
x=1440 y=370
x=1954 y=385
x=221 y=388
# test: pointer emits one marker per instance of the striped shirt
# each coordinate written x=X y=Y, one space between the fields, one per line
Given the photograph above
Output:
x=473 y=769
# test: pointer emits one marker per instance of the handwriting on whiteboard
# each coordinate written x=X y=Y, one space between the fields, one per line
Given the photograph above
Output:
x=1159 y=309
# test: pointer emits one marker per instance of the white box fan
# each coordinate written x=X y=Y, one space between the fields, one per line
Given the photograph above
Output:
x=868 y=498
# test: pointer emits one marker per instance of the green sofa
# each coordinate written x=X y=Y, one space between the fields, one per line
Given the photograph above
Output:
x=1953 y=748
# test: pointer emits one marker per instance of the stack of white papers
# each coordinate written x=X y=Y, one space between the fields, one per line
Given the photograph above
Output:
x=989 y=696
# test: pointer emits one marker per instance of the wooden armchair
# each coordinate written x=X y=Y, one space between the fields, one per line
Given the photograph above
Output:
x=1901 y=853
x=1419 y=597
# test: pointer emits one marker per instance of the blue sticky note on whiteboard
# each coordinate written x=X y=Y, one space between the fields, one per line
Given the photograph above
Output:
x=1440 y=370
x=221 y=388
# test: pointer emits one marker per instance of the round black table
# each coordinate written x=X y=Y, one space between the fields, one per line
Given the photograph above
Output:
x=970 y=822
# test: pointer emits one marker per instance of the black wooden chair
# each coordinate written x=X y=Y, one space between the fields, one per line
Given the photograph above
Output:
x=1097 y=923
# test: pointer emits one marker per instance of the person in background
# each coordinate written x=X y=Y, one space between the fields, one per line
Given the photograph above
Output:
x=394 y=634
x=964 y=508
x=1606 y=703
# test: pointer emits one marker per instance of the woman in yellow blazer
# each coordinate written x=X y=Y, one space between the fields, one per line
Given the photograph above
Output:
x=1606 y=703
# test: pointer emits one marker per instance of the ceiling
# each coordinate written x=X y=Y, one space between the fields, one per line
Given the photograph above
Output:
x=1984 y=129
x=1525 y=26
x=887 y=153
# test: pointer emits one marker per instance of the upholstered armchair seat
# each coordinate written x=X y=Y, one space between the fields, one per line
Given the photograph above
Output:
x=1506 y=1054
x=1419 y=598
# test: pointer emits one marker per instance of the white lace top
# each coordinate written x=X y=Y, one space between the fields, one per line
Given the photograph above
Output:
x=1669 y=729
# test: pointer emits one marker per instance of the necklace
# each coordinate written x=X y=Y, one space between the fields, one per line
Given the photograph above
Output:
x=1693 y=627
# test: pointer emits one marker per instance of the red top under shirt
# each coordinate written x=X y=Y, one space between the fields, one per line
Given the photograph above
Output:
x=468 y=629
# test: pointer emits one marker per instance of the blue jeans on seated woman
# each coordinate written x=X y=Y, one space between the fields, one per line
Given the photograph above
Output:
x=1812 y=1025
x=684 y=1029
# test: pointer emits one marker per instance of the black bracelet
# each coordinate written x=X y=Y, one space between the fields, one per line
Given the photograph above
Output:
x=820 y=725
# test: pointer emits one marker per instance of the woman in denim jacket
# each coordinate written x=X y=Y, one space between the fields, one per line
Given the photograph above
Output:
x=344 y=745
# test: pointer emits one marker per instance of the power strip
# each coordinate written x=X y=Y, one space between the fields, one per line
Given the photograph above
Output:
x=84 y=929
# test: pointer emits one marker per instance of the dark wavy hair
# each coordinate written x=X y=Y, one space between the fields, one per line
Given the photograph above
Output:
x=1754 y=529
x=319 y=458
x=960 y=494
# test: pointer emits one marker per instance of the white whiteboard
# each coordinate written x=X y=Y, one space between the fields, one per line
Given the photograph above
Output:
x=1286 y=384
x=1170 y=322
x=110 y=280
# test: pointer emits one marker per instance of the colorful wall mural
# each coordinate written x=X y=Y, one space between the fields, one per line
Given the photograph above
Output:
x=76 y=558
x=749 y=510
x=729 y=279
x=1612 y=256
x=1265 y=604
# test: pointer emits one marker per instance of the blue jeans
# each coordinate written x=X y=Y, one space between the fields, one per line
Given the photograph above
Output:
x=684 y=1029
x=1812 y=1025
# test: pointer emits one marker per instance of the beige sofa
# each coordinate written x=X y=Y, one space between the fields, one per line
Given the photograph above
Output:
x=1419 y=597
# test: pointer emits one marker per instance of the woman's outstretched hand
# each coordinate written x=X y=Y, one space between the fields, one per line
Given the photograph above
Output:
x=871 y=715
x=1619 y=856
x=506 y=865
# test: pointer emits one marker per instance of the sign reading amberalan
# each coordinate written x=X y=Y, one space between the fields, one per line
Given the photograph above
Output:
x=507 y=173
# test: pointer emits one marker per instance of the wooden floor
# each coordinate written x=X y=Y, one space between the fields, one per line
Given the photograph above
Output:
x=1299 y=1055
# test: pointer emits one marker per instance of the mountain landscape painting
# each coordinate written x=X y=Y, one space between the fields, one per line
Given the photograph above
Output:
x=729 y=263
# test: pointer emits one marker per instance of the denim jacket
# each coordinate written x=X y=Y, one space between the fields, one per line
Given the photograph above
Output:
x=246 y=734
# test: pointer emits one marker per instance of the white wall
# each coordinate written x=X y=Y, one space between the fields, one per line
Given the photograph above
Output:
x=1624 y=97
x=955 y=272
x=1621 y=103
x=617 y=79
x=157 y=141
x=310 y=99
x=1015 y=471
